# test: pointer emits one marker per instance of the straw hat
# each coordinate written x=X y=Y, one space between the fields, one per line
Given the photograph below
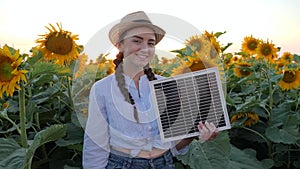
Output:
x=133 y=20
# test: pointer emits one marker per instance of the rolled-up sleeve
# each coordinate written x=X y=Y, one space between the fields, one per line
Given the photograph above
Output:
x=96 y=139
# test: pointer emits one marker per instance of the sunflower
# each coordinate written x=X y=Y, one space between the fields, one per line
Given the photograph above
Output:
x=228 y=59
x=9 y=73
x=58 y=45
x=193 y=63
x=106 y=66
x=290 y=79
x=164 y=60
x=198 y=44
x=82 y=59
x=252 y=118
x=240 y=70
x=279 y=65
x=215 y=47
x=5 y=105
x=287 y=57
x=209 y=35
x=266 y=50
x=250 y=44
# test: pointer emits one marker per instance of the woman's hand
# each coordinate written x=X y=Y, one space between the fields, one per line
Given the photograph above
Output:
x=208 y=131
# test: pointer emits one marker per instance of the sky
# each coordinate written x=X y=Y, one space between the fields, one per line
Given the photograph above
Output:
x=21 y=21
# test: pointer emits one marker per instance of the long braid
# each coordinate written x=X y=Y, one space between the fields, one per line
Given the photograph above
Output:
x=121 y=83
x=149 y=73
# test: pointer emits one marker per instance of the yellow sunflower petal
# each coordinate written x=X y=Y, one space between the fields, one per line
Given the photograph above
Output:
x=9 y=73
x=58 y=45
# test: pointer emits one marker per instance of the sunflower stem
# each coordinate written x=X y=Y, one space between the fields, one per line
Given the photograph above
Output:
x=270 y=96
x=264 y=138
x=270 y=107
x=70 y=93
x=22 y=109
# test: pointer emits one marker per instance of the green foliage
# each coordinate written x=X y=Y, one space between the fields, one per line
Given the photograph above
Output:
x=276 y=134
x=14 y=156
x=219 y=153
x=50 y=125
x=212 y=154
x=54 y=116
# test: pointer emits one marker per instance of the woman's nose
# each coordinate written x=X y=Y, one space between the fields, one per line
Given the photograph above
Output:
x=144 y=47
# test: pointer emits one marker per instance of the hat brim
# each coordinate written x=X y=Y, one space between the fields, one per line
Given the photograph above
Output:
x=120 y=28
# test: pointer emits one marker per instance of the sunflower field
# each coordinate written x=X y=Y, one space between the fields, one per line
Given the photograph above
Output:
x=44 y=97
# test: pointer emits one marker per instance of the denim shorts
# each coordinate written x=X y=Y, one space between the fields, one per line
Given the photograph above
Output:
x=121 y=162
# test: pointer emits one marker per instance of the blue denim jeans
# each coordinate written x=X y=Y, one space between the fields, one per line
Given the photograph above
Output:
x=121 y=162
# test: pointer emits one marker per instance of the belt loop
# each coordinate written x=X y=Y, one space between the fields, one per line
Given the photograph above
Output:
x=166 y=156
x=151 y=163
x=129 y=162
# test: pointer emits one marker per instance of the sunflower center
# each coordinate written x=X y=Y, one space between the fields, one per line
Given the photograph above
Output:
x=5 y=71
x=252 y=45
x=197 y=44
x=266 y=51
x=243 y=71
x=213 y=53
x=288 y=77
x=61 y=44
x=199 y=65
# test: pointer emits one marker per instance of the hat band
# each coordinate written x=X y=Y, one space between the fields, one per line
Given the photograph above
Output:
x=141 y=20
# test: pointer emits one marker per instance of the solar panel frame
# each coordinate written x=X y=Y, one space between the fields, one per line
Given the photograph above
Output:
x=187 y=84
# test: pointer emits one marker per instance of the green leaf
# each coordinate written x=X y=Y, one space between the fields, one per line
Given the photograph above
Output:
x=3 y=114
x=246 y=159
x=44 y=96
x=213 y=154
x=218 y=34
x=11 y=154
x=276 y=78
x=230 y=101
x=297 y=58
x=291 y=123
x=219 y=153
x=225 y=47
x=50 y=68
x=74 y=136
x=51 y=133
x=280 y=135
x=37 y=57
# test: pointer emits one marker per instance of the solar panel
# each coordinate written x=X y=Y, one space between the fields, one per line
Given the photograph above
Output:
x=182 y=101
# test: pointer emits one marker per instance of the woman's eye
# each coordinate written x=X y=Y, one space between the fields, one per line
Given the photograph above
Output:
x=137 y=41
x=151 y=44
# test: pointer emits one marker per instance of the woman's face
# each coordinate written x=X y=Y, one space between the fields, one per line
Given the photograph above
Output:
x=138 y=46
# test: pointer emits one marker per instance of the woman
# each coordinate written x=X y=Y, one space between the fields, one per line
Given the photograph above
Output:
x=122 y=130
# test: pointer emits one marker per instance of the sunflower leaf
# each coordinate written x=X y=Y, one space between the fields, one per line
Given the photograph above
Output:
x=11 y=154
x=297 y=58
x=225 y=47
x=51 y=133
x=49 y=68
x=280 y=135
x=218 y=34
x=209 y=155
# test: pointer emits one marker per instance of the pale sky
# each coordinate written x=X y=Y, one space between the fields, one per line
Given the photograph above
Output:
x=21 y=21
